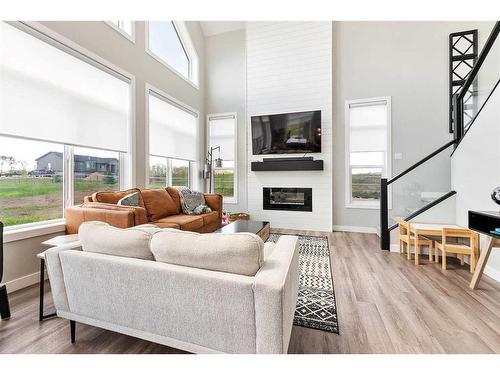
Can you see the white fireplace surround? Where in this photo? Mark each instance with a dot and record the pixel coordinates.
(291, 74)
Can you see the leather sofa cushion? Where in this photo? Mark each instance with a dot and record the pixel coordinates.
(114, 196)
(161, 224)
(99, 237)
(174, 193)
(239, 253)
(210, 218)
(185, 222)
(159, 203)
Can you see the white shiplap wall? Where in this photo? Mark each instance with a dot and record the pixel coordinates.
(289, 69)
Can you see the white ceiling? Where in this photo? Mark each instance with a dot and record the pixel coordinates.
(218, 27)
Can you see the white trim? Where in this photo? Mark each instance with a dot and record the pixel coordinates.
(42, 228)
(347, 228)
(129, 37)
(150, 88)
(234, 116)
(189, 49)
(24, 282)
(387, 171)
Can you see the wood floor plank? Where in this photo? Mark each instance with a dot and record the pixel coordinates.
(385, 304)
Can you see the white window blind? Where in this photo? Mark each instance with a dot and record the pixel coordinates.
(173, 129)
(49, 94)
(222, 133)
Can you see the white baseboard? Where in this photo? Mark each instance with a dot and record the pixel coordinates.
(344, 228)
(493, 273)
(23, 282)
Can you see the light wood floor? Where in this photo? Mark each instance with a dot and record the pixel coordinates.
(385, 304)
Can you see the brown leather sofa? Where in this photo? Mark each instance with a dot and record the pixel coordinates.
(161, 207)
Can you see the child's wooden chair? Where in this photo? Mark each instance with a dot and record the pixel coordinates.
(450, 243)
(406, 238)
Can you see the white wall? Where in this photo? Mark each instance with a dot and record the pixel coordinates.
(289, 69)
(409, 62)
(21, 264)
(475, 170)
(226, 92)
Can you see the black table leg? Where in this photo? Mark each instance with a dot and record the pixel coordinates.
(4, 303)
(41, 315)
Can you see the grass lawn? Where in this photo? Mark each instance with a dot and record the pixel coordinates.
(31, 199)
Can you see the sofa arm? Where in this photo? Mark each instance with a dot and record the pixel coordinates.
(76, 215)
(214, 201)
(276, 289)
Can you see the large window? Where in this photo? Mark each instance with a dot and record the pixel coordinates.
(58, 109)
(173, 140)
(222, 138)
(169, 43)
(367, 150)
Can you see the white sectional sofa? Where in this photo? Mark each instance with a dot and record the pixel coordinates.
(170, 298)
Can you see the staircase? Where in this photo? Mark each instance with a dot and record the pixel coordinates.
(477, 88)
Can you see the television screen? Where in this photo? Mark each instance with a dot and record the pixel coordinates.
(288, 133)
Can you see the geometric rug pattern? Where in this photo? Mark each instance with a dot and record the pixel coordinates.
(316, 302)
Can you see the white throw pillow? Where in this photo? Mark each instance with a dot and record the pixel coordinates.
(99, 237)
(240, 253)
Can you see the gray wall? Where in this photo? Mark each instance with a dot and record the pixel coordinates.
(409, 62)
(104, 41)
(226, 92)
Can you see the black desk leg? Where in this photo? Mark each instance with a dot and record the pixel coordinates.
(41, 315)
(4, 303)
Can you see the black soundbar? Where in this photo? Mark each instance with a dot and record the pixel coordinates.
(287, 164)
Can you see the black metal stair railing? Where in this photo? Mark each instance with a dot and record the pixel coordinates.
(460, 129)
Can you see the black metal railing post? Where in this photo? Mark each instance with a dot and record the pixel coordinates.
(384, 216)
(458, 119)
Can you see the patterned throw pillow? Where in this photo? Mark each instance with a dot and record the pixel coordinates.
(192, 202)
(129, 200)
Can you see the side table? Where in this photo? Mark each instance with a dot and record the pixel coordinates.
(65, 240)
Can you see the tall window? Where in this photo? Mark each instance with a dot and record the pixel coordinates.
(222, 133)
(169, 43)
(56, 110)
(126, 28)
(367, 150)
(173, 140)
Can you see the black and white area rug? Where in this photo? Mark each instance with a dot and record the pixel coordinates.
(316, 303)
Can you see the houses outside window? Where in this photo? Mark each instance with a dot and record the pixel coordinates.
(169, 43)
(368, 140)
(50, 156)
(222, 133)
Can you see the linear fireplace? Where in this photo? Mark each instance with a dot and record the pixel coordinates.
(287, 199)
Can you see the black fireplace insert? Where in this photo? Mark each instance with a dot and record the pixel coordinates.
(287, 199)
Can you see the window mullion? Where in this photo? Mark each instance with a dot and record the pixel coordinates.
(68, 186)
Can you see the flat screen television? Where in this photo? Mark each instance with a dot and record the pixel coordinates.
(287, 133)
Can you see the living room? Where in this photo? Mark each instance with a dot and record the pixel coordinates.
(289, 184)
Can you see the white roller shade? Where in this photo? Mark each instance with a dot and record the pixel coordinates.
(368, 126)
(51, 95)
(172, 129)
(222, 133)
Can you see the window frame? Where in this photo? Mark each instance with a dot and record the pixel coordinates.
(117, 28)
(386, 167)
(187, 45)
(234, 198)
(183, 106)
(127, 160)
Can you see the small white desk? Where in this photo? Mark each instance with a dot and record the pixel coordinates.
(67, 240)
